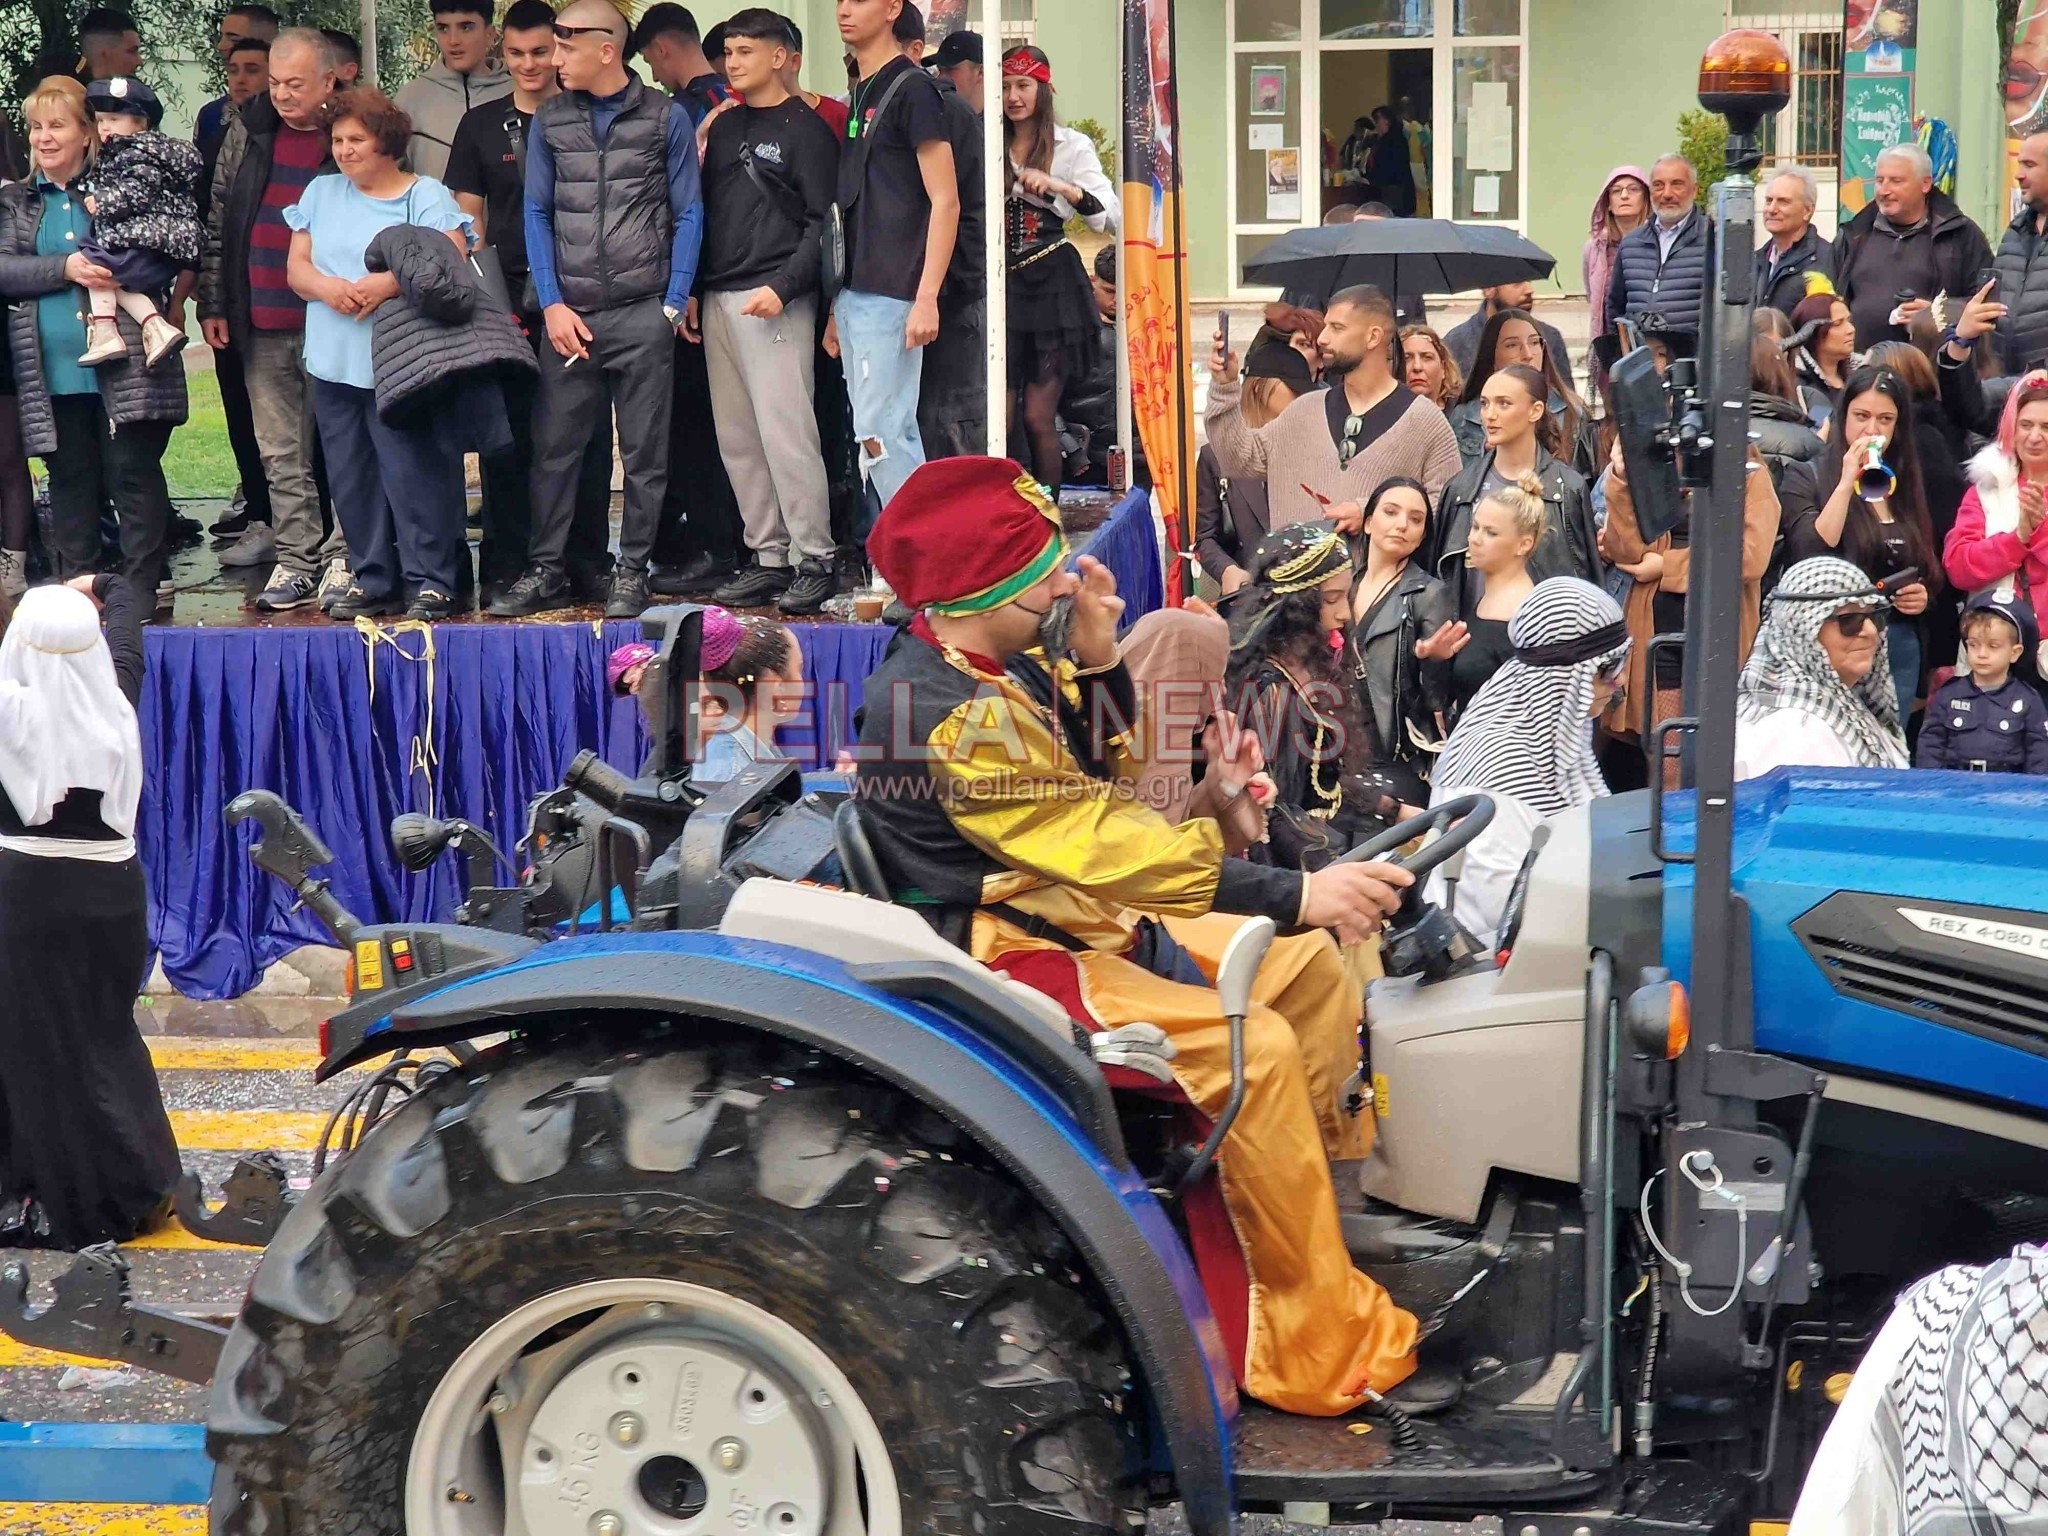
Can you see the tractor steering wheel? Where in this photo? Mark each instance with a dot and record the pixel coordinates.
(1466, 816)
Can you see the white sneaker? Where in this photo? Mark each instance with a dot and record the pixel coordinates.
(335, 582)
(256, 546)
(13, 573)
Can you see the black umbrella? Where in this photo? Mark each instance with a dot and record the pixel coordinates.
(1399, 256)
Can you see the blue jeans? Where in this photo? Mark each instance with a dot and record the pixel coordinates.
(1903, 641)
(882, 379)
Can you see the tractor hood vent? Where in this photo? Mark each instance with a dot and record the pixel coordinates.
(1983, 970)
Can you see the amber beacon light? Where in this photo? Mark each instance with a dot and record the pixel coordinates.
(1745, 75)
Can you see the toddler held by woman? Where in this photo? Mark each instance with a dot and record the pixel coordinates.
(140, 193)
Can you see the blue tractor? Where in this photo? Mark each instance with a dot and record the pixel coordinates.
(736, 1200)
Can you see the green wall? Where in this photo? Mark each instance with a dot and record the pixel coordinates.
(1607, 80)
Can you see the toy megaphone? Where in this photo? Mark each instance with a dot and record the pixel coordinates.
(1875, 481)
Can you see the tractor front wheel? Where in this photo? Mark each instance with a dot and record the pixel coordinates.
(580, 1293)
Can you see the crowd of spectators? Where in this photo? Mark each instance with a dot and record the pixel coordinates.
(764, 305)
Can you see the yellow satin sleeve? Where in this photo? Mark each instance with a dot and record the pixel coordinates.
(1019, 796)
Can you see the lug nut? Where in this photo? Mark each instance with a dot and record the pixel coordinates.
(605, 1523)
(627, 1429)
(654, 1309)
(728, 1455)
(500, 1403)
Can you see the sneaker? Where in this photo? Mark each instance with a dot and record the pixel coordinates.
(166, 601)
(104, 346)
(755, 586)
(231, 523)
(286, 590)
(629, 595)
(695, 577)
(13, 573)
(183, 532)
(535, 592)
(353, 603)
(334, 581)
(256, 546)
(160, 339)
(813, 583)
(430, 604)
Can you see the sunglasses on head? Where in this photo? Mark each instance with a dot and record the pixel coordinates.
(564, 34)
(1850, 625)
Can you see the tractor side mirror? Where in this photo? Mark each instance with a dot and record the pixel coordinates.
(1242, 958)
(418, 840)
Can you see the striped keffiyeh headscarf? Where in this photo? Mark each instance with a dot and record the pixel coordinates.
(1787, 669)
(1528, 732)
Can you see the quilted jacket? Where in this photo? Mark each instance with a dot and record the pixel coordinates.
(442, 333)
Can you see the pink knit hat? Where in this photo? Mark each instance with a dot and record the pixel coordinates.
(635, 653)
(722, 636)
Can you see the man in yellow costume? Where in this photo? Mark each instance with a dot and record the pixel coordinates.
(995, 782)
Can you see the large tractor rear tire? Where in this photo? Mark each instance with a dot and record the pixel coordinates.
(595, 1293)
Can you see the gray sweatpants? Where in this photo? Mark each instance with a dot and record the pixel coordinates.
(762, 391)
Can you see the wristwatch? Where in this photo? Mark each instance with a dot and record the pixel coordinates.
(675, 316)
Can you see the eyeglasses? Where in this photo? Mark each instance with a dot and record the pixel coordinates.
(1850, 625)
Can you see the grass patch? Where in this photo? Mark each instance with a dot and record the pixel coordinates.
(199, 461)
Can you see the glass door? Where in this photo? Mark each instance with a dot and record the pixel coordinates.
(1326, 95)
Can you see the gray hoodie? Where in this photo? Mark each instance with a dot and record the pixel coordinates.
(436, 101)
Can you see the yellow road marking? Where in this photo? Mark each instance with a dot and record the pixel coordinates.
(18, 1357)
(246, 1130)
(103, 1519)
(181, 1054)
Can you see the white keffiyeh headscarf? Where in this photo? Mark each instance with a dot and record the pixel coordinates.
(1528, 732)
(64, 722)
(1788, 669)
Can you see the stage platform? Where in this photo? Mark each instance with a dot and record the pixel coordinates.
(355, 724)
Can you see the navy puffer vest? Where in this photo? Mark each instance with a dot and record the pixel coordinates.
(613, 224)
(1670, 287)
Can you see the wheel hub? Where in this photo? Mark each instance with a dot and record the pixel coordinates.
(654, 1432)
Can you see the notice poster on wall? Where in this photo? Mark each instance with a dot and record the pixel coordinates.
(1880, 40)
(1269, 91)
(1283, 186)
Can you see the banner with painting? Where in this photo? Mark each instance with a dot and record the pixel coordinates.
(1880, 40)
(1156, 319)
(2024, 86)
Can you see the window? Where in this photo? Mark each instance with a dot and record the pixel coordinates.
(1020, 22)
(1809, 130)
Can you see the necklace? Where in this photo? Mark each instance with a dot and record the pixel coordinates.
(1331, 796)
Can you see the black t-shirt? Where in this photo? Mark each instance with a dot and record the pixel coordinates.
(881, 189)
(755, 234)
(483, 162)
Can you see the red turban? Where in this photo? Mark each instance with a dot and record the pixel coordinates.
(967, 535)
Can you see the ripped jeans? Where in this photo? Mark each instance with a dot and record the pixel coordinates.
(882, 379)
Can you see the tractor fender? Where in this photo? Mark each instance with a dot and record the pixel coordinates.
(1103, 1206)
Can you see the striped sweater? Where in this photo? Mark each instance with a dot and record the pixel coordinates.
(1297, 449)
